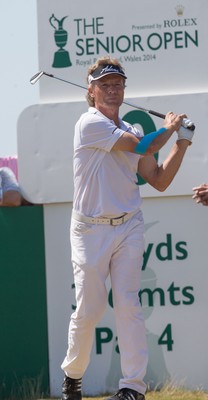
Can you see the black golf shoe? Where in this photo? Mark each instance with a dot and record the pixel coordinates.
(71, 389)
(127, 394)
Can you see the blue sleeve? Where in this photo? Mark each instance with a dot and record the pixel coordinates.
(144, 143)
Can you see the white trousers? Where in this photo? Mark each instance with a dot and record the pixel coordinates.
(97, 251)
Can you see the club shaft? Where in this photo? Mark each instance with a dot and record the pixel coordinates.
(124, 102)
(66, 81)
(157, 114)
(37, 76)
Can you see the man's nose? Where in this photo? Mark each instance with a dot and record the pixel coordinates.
(111, 89)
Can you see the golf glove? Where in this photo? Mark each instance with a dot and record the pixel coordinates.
(184, 133)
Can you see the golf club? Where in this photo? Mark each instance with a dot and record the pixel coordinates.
(35, 78)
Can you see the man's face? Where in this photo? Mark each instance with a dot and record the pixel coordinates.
(108, 91)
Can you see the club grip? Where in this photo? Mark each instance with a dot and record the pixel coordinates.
(157, 114)
(191, 127)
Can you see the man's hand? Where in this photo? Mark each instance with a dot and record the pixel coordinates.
(184, 133)
(201, 194)
(173, 121)
(187, 123)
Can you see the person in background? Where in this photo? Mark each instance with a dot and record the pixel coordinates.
(10, 195)
(107, 227)
(201, 194)
(10, 162)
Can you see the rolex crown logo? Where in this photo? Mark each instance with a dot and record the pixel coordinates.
(179, 10)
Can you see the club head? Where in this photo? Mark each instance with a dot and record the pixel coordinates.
(36, 77)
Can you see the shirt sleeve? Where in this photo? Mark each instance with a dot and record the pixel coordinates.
(8, 180)
(98, 132)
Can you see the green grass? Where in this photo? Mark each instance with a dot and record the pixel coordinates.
(168, 393)
(31, 391)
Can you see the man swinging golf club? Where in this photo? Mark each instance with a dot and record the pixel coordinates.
(107, 225)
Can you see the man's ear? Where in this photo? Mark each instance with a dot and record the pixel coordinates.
(90, 93)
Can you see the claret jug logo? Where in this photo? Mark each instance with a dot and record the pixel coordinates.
(61, 56)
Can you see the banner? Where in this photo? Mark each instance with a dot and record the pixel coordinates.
(162, 45)
(23, 309)
(174, 298)
(45, 146)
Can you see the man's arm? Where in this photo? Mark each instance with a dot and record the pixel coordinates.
(161, 176)
(152, 142)
(11, 198)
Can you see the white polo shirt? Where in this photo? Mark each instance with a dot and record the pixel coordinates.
(105, 181)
